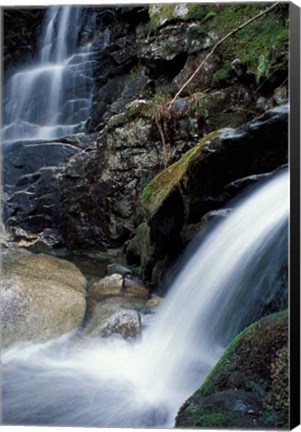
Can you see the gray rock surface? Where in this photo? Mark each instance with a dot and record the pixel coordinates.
(114, 316)
(42, 297)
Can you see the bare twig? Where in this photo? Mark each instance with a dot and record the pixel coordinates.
(162, 139)
(231, 33)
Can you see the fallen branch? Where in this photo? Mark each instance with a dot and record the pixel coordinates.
(231, 33)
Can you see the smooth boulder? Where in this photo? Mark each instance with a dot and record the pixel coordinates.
(43, 297)
(108, 286)
(114, 316)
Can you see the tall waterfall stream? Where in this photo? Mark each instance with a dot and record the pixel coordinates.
(52, 97)
(111, 382)
(114, 383)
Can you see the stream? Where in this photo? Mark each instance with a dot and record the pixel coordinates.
(223, 284)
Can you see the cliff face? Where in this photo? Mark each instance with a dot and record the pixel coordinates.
(20, 35)
(91, 194)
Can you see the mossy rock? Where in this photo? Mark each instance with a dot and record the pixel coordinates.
(268, 36)
(196, 184)
(138, 249)
(249, 385)
(167, 180)
(162, 14)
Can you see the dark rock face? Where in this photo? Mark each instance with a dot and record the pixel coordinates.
(118, 78)
(21, 27)
(249, 385)
(31, 172)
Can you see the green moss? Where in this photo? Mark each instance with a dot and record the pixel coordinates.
(136, 72)
(139, 247)
(221, 74)
(213, 419)
(254, 369)
(267, 35)
(161, 186)
(159, 13)
(277, 401)
(198, 12)
(230, 371)
(229, 119)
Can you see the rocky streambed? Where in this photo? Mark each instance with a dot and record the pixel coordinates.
(44, 297)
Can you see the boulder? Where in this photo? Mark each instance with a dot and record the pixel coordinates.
(118, 268)
(108, 286)
(154, 302)
(43, 297)
(49, 241)
(114, 316)
(248, 387)
(133, 287)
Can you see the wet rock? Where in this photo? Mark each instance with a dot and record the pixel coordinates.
(191, 230)
(19, 39)
(108, 286)
(49, 241)
(23, 158)
(31, 178)
(197, 184)
(154, 302)
(280, 95)
(134, 287)
(119, 269)
(114, 316)
(43, 297)
(248, 387)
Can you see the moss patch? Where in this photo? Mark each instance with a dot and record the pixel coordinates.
(256, 339)
(267, 36)
(161, 186)
(138, 250)
(258, 46)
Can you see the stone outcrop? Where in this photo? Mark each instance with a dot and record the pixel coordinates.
(31, 174)
(108, 286)
(248, 387)
(42, 297)
(20, 35)
(205, 179)
(113, 316)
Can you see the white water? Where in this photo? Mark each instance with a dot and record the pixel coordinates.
(109, 382)
(52, 97)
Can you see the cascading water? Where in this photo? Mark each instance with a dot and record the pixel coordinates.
(110, 382)
(52, 97)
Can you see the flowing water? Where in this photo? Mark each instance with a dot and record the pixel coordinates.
(222, 286)
(52, 97)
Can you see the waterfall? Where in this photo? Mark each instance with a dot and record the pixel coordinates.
(221, 287)
(52, 97)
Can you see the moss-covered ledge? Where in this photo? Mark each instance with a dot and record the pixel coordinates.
(248, 387)
(172, 177)
(206, 178)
